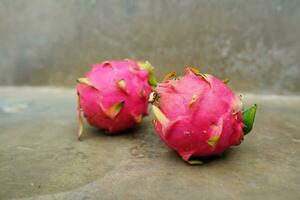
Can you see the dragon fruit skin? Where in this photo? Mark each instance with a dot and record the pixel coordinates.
(114, 94)
(197, 115)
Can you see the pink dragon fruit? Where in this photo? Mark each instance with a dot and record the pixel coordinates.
(114, 94)
(198, 115)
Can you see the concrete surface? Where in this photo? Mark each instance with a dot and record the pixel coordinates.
(53, 42)
(40, 157)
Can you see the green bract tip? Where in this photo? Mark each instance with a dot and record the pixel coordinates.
(147, 66)
(248, 119)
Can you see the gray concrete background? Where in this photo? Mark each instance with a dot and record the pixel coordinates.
(52, 42)
(41, 158)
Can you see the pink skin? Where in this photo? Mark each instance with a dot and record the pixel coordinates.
(215, 112)
(105, 92)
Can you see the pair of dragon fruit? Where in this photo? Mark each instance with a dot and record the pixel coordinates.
(197, 114)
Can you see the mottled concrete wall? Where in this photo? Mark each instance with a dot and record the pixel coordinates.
(52, 42)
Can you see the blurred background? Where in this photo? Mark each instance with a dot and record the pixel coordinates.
(256, 44)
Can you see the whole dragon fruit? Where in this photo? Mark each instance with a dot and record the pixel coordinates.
(198, 115)
(114, 94)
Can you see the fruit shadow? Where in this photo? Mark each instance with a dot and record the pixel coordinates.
(93, 133)
(205, 161)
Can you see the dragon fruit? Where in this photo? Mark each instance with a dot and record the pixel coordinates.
(197, 115)
(114, 94)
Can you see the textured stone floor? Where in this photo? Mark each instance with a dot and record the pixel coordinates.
(40, 157)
